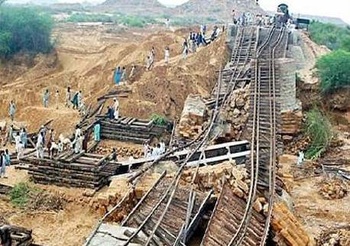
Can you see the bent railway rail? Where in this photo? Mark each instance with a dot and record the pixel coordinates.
(168, 213)
(246, 225)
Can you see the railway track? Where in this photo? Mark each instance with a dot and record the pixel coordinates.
(165, 214)
(246, 224)
(154, 216)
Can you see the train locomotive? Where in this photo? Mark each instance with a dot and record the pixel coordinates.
(282, 16)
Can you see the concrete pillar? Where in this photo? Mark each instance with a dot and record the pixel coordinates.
(287, 80)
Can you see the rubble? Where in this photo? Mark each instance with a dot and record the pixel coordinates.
(192, 118)
(288, 230)
(335, 237)
(332, 189)
(237, 112)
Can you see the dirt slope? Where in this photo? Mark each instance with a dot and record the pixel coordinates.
(85, 60)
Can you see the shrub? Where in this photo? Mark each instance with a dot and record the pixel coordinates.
(19, 195)
(24, 29)
(319, 129)
(159, 120)
(334, 37)
(82, 17)
(333, 70)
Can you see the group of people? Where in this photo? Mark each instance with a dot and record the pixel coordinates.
(247, 18)
(155, 151)
(196, 39)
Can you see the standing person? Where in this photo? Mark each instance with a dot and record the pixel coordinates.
(123, 76)
(75, 101)
(68, 97)
(19, 146)
(132, 72)
(194, 45)
(114, 155)
(7, 157)
(80, 99)
(46, 97)
(12, 110)
(162, 147)
(78, 144)
(97, 132)
(2, 165)
(50, 140)
(57, 97)
(40, 146)
(110, 113)
(116, 108)
(185, 49)
(167, 55)
(10, 134)
(146, 148)
(153, 53)
(24, 137)
(77, 132)
(117, 75)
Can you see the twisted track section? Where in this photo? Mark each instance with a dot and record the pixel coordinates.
(233, 215)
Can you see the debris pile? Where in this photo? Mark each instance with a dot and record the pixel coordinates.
(192, 118)
(288, 230)
(237, 112)
(337, 237)
(121, 151)
(332, 189)
(109, 197)
(297, 145)
(46, 201)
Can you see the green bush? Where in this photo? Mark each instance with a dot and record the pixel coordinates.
(24, 29)
(19, 195)
(334, 71)
(82, 17)
(334, 37)
(319, 129)
(159, 120)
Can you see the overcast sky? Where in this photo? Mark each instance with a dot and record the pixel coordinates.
(335, 8)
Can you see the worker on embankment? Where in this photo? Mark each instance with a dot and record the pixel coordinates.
(117, 75)
(97, 132)
(68, 97)
(46, 97)
(2, 165)
(116, 108)
(12, 110)
(166, 55)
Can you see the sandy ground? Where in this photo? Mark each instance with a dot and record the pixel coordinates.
(85, 60)
(66, 227)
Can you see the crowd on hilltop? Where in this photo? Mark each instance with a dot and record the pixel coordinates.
(247, 19)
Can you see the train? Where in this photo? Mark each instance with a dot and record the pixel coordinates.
(282, 15)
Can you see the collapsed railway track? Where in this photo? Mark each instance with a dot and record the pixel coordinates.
(246, 224)
(165, 214)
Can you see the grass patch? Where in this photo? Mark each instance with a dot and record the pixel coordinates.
(319, 129)
(20, 194)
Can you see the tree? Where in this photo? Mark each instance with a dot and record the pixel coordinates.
(334, 71)
(24, 29)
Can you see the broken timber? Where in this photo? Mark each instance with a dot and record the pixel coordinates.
(81, 170)
(130, 129)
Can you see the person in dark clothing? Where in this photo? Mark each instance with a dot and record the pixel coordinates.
(114, 156)
(110, 113)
